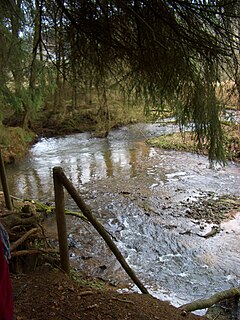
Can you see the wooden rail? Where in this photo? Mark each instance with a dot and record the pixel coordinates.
(61, 180)
(3, 175)
(61, 221)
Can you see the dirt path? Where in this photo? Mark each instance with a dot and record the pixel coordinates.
(49, 294)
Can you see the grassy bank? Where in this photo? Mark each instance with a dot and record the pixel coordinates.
(14, 142)
(186, 142)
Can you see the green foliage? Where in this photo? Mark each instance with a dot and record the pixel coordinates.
(87, 282)
(9, 99)
(10, 136)
(185, 141)
(176, 141)
(232, 142)
(15, 142)
(165, 55)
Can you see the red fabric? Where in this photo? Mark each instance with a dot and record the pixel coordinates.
(6, 302)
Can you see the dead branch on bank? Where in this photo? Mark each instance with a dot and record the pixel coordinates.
(206, 303)
(23, 238)
(33, 251)
(26, 234)
(17, 219)
(28, 243)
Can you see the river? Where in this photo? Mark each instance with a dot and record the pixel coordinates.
(138, 193)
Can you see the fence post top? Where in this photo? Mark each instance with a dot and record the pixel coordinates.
(57, 169)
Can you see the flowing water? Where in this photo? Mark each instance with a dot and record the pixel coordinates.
(138, 193)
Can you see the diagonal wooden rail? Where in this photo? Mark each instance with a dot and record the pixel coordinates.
(60, 181)
(5, 183)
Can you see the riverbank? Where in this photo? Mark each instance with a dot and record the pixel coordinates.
(141, 197)
(45, 292)
(15, 141)
(184, 141)
(50, 294)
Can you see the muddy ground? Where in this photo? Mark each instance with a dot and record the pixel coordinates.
(50, 294)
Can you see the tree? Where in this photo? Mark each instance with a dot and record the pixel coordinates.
(166, 52)
(233, 70)
(34, 92)
(21, 50)
(10, 56)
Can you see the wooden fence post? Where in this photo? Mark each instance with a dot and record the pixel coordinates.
(61, 220)
(99, 227)
(5, 183)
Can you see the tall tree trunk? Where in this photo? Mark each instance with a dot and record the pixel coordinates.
(16, 65)
(29, 107)
(60, 66)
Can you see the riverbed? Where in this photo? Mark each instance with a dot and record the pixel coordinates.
(141, 195)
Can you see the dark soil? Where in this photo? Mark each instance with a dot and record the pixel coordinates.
(50, 294)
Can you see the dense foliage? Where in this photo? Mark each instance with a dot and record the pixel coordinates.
(167, 54)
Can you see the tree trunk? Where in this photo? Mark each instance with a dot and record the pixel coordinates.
(206, 303)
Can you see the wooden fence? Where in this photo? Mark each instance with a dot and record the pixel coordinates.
(60, 181)
(3, 175)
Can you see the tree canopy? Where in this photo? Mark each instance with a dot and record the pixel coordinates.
(164, 52)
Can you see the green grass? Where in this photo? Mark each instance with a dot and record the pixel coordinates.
(176, 141)
(96, 284)
(186, 142)
(15, 142)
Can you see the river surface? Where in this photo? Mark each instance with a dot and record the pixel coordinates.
(140, 194)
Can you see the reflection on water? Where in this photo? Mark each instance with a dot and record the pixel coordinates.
(82, 158)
